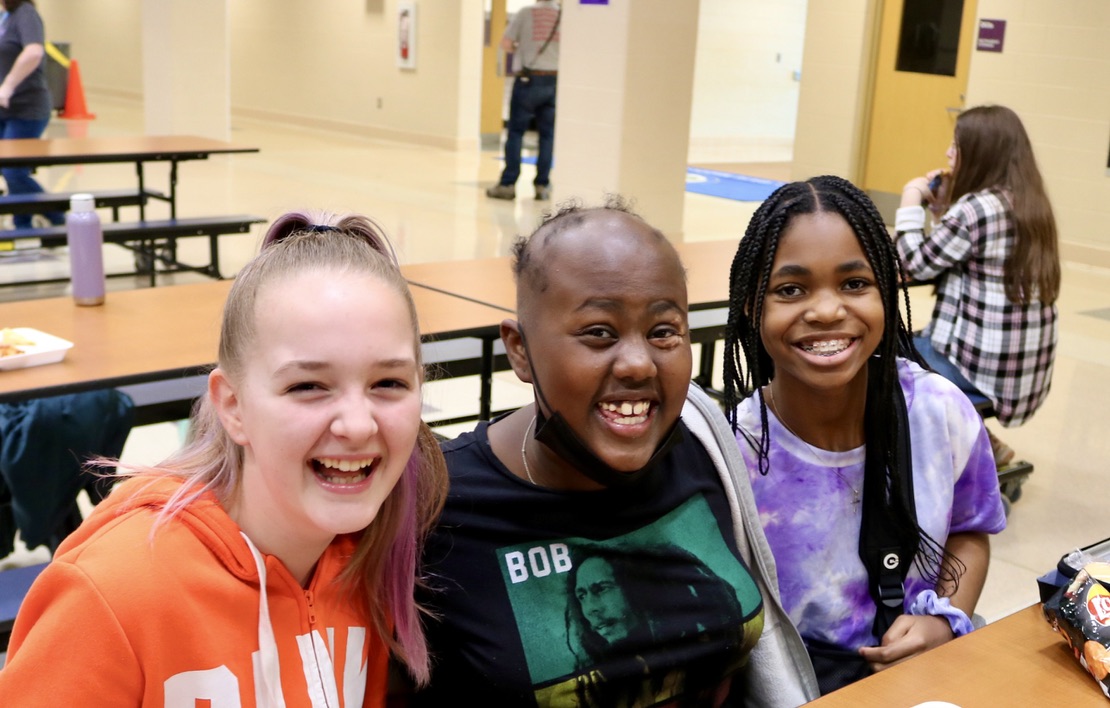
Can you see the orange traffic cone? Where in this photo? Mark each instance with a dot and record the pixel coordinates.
(75, 96)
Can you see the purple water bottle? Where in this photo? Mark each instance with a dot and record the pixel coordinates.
(86, 250)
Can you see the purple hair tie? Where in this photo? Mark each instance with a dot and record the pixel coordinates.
(321, 228)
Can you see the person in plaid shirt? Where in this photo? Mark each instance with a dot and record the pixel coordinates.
(995, 258)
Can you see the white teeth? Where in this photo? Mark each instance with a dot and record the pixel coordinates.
(631, 412)
(827, 347)
(363, 468)
(345, 465)
(628, 408)
(344, 480)
(631, 421)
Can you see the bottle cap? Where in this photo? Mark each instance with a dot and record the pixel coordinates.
(82, 202)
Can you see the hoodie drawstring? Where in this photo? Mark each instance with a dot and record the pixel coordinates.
(267, 670)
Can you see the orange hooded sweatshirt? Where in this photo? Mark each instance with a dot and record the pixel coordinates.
(121, 618)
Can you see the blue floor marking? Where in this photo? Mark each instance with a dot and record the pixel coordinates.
(714, 183)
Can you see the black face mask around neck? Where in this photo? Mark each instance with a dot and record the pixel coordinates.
(560, 438)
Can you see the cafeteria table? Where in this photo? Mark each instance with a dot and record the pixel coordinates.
(139, 149)
(490, 281)
(1017, 660)
(171, 334)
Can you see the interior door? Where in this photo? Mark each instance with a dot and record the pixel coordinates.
(920, 82)
(493, 76)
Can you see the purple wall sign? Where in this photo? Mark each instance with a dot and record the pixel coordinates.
(991, 35)
(593, 2)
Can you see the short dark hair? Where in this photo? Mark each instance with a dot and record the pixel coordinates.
(528, 267)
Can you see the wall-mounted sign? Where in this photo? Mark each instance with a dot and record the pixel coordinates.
(991, 35)
(593, 2)
(406, 34)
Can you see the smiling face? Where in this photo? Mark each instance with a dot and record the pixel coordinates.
(608, 336)
(823, 314)
(327, 408)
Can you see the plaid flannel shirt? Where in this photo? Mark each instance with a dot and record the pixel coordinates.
(1005, 349)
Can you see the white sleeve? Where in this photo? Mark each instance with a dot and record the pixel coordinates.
(911, 218)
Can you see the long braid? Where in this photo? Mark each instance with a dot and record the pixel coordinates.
(749, 278)
(905, 338)
(883, 257)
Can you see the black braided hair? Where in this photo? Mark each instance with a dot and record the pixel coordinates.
(748, 367)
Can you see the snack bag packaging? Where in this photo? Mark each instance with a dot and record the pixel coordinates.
(1080, 612)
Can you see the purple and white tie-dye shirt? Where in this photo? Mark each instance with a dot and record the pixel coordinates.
(806, 504)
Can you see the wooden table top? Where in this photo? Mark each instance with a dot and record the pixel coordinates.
(158, 333)
(490, 280)
(485, 280)
(1018, 660)
(707, 271)
(169, 332)
(124, 148)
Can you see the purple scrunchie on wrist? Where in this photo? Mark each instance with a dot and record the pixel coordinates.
(927, 603)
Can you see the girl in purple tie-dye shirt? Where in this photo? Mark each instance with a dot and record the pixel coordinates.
(816, 351)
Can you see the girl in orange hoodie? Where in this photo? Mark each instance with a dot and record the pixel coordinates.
(270, 561)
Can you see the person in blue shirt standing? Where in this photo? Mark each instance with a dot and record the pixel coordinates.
(24, 97)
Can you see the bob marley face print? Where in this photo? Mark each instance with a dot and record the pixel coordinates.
(603, 603)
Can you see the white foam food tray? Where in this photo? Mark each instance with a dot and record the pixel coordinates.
(43, 348)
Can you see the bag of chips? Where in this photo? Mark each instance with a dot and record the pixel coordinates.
(1080, 612)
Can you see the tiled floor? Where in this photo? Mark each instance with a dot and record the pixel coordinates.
(431, 203)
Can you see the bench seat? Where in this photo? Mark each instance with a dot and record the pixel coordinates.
(172, 399)
(151, 240)
(113, 199)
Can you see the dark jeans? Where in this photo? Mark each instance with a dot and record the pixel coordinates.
(19, 179)
(534, 98)
(944, 366)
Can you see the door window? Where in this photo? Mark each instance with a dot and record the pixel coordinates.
(929, 40)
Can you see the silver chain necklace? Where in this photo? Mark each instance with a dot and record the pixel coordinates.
(815, 450)
(523, 456)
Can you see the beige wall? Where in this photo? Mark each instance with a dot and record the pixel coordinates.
(832, 108)
(333, 65)
(624, 106)
(186, 68)
(104, 38)
(745, 91)
(291, 61)
(329, 65)
(1054, 70)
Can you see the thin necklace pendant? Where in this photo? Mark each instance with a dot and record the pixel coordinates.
(855, 494)
(523, 455)
(817, 452)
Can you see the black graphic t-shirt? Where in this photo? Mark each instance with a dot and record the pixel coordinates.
(620, 597)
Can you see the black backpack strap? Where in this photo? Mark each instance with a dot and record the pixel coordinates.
(886, 547)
